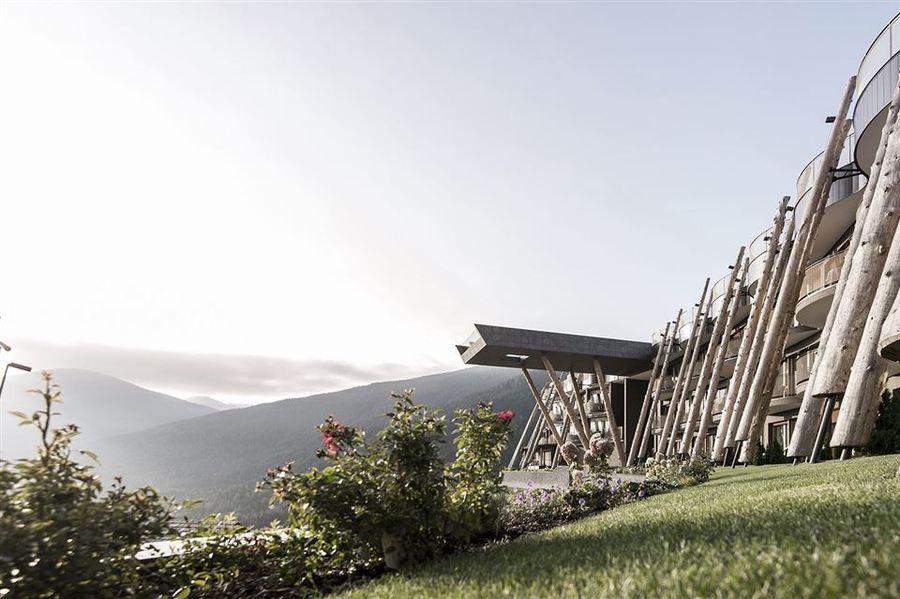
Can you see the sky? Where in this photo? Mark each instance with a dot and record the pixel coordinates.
(255, 201)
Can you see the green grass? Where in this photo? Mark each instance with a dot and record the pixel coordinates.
(828, 530)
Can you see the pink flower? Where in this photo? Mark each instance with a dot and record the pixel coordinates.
(505, 415)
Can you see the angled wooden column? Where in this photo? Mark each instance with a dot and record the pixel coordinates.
(563, 398)
(681, 408)
(608, 407)
(741, 363)
(645, 406)
(517, 453)
(654, 403)
(545, 410)
(734, 300)
(811, 408)
(759, 339)
(709, 359)
(837, 355)
(674, 404)
(533, 443)
(862, 397)
(579, 401)
(558, 452)
(782, 315)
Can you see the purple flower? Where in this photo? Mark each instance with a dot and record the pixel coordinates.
(582, 502)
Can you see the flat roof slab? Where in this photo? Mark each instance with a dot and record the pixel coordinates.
(513, 348)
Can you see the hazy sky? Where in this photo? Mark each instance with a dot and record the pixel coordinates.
(254, 201)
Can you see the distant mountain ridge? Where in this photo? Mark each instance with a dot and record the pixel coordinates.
(219, 457)
(101, 405)
(215, 404)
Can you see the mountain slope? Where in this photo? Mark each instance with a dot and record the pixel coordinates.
(219, 457)
(100, 405)
(215, 404)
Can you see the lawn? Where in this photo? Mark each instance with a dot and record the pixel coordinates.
(828, 530)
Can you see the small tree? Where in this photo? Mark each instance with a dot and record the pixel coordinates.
(60, 533)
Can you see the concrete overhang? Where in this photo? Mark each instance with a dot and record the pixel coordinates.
(513, 348)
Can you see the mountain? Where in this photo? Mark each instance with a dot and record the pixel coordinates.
(218, 458)
(101, 405)
(215, 404)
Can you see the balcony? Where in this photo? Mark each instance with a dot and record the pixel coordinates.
(875, 82)
(818, 290)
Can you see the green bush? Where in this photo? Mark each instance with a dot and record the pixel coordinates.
(886, 434)
(61, 533)
(676, 472)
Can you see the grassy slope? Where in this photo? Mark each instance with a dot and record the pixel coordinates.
(829, 530)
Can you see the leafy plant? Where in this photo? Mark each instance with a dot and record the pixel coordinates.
(676, 472)
(61, 533)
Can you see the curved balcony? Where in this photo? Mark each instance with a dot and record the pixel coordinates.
(875, 83)
(818, 290)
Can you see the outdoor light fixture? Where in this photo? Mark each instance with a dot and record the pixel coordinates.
(5, 347)
(830, 119)
(3, 381)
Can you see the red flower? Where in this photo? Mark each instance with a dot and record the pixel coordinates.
(505, 415)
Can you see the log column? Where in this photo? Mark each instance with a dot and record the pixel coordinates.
(645, 406)
(608, 407)
(570, 411)
(674, 404)
(811, 409)
(648, 429)
(741, 364)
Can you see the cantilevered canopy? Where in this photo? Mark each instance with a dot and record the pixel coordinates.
(504, 346)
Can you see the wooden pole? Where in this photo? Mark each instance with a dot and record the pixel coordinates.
(759, 337)
(645, 406)
(783, 313)
(672, 443)
(545, 411)
(734, 300)
(558, 452)
(836, 357)
(517, 453)
(563, 398)
(863, 394)
(709, 359)
(889, 344)
(648, 429)
(608, 407)
(823, 430)
(680, 381)
(579, 400)
(811, 408)
(741, 363)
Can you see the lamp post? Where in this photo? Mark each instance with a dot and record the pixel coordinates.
(3, 380)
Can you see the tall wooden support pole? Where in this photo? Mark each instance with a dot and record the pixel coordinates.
(674, 404)
(563, 398)
(578, 397)
(742, 361)
(734, 300)
(837, 355)
(648, 429)
(645, 406)
(565, 432)
(672, 443)
(811, 408)
(783, 313)
(783, 317)
(545, 410)
(517, 453)
(710, 358)
(759, 338)
(823, 430)
(533, 443)
(608, 408)
(862, 397)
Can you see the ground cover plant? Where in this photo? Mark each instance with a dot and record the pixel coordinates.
(823, 530)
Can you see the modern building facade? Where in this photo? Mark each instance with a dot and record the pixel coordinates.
(578, 362)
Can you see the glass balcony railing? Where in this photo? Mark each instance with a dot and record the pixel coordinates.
(823, 273)
(877, 75)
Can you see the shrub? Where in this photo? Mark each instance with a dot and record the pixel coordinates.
(476, 493)
(60, 532)
(676, 472)
(886, 434)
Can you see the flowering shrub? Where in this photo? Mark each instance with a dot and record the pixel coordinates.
(677, 472)
(476, 493)
(596, 458)
(530, 510)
